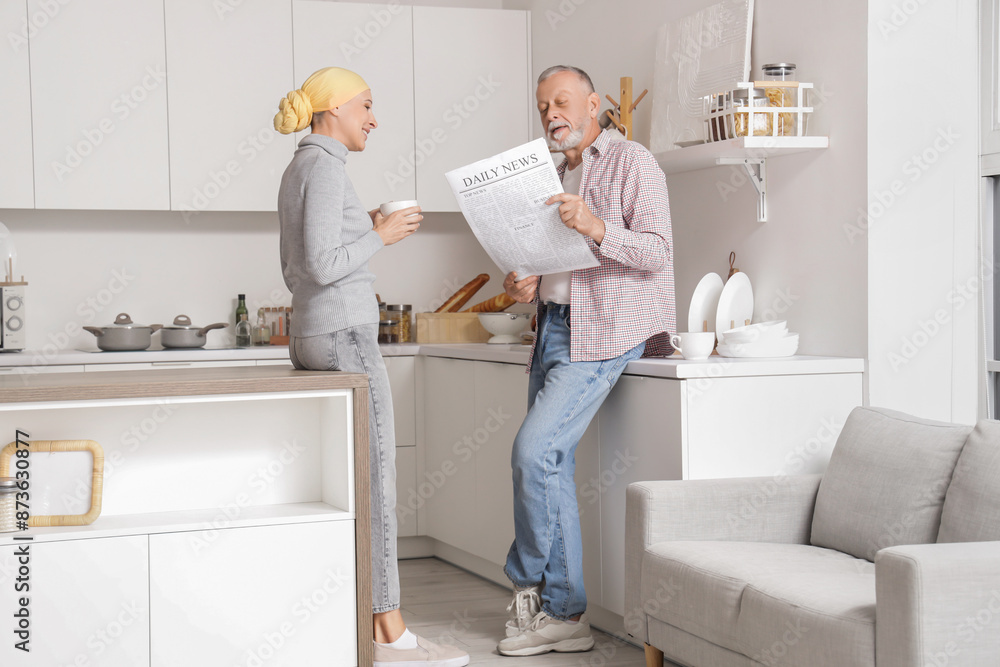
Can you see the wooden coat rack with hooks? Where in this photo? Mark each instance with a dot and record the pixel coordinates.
(621, 114)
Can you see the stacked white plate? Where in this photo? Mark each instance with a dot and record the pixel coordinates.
(764, 339)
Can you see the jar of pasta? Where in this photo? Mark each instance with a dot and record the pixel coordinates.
(746, 97)
(403, 314)
(781, 94)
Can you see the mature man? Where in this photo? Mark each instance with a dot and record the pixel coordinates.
(591, 323)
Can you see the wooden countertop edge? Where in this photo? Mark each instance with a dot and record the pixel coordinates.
(170, 383)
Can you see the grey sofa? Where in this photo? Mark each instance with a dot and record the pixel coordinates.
(890, 558)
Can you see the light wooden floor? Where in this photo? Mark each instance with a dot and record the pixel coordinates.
(451, 606)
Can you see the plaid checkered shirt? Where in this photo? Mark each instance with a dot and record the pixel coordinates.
(629, 297)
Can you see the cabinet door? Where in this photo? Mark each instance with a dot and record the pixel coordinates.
(89, 603)
(229, 64)
(274, 595)
(99, 105)
(448, 485)
(989, 71)
(640, 426)
(376, 41)
(469, 107)
(402, 378)
(16, 181)
(501, 403)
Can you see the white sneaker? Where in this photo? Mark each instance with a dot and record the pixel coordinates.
(525, 606)
(426, 654)
(545, 634)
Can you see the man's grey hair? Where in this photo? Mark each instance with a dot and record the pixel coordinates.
(555, 69)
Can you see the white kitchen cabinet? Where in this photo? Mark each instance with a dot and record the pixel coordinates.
(89, 602)
(17, 188)
(989, 92)
(376, 41)
(501, 397)
(247, 595)
(640, 432)
(229, 64)
(99, 105)
(406, 491)
(448, 484)
(402, 384)
(473, 92)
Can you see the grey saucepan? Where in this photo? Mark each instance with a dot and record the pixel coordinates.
(124, 335)
(182, 334)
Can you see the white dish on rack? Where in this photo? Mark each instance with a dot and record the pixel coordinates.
(753, 333)
(735, 303)
(705, 303)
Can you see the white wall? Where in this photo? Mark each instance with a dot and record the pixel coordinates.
(922, 246)
(802, 265)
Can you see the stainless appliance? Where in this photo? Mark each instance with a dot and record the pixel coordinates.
(12, 331)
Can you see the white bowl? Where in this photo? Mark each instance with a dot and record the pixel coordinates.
(505, 327)
(753, 333)
(782, 347)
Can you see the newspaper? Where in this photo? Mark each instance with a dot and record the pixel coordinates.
(503, 199)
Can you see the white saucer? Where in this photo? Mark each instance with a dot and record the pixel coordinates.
(735, 303)
(705, 303)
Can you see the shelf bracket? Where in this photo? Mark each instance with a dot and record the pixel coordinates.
(757, 171)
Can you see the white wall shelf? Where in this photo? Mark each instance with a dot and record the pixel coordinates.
(751, 152)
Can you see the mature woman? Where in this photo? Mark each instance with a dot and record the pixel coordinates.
(327, 238)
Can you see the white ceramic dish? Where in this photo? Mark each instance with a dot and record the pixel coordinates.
(505, 327)
(761, 331)
(705, 303)
(783, 347)
(735, 303)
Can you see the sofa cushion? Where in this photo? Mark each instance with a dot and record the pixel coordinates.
(972, 505)
(886, 482)
(702, 588)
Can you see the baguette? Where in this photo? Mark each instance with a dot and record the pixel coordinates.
(496, 304)
(459, 298)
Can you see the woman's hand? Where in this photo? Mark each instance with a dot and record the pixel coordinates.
(522, 291)
(397, 225)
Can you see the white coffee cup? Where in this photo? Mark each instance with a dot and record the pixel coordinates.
(393, 206)
(694, 344)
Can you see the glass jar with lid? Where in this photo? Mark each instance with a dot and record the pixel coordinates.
(388, 332)
(781, 94)
(746, 97)
(8, 513)
(403, 314)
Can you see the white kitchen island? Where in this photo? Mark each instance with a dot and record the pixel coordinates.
(235, 522)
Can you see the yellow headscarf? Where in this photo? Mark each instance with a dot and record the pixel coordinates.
(325, 89)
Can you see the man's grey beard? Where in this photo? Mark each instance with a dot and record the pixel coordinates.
(572, 139)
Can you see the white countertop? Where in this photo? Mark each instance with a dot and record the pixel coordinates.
(671, 367)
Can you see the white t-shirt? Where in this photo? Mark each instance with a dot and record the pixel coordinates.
(555, 287)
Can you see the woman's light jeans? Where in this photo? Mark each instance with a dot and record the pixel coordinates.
(356, 350)
(563, 397)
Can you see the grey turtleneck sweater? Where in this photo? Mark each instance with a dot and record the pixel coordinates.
(326, 241)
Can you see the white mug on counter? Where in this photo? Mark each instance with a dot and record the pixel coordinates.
(393, 206)
(694, 344)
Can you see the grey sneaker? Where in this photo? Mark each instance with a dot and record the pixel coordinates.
(525, 606)
(427, 654)
(545, 634)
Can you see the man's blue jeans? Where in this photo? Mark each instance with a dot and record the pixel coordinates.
(563, 397)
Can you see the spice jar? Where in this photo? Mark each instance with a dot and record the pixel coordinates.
(403, 314)
(8, 514)
(743, 98)
(388, 331)
(781, 95)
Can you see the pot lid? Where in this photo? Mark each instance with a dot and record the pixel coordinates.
(181, 322)
(8, 484)
(123, 321)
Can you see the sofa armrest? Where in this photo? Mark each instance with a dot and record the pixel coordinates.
(751, 509)
(938, 604)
